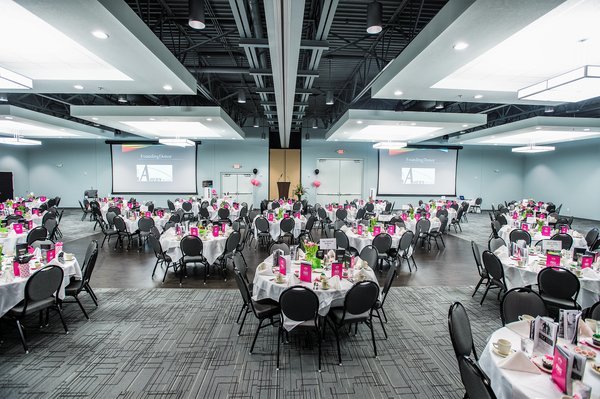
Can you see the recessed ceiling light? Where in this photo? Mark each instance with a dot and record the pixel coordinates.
(413, 124)
(538, 128)
(465, 125)
(152, 119)
(98, 34)
(8, 117)
(460, 46)
(478, 96)
(359, 122)
(168, 87)
(209, 119)
(587, 129)
(390, 145)
(398, 93)
(94, 118)
(532, 149)
(78, 87)
(335, 140)
(17, 140)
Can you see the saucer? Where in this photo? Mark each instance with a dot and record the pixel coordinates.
(501, 354)
(596, 368)
(538, 362)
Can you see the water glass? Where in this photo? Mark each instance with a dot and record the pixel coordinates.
(527, 346)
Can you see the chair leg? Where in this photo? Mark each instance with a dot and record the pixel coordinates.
(370, 324)
(384, 315)
(182, 271)
(256, 335)
(337, 340)
(382, 326)
(89, 290)
(62, 320)
(477, 286)
(82, 308)
(240, 314)
(22, 336)
(155, 265)
(318, 331)
(279, 337)
(243, 320)
(487, 288)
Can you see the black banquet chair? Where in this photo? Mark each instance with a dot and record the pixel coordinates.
(559, 288)
(459, 327)
(39, 295)
(518, 235)
(565, 239)
(192, 250)
(483, 276)
(300, 305)
(161, 256)
(76, 287)
(476, 382)
(520, 301)
(495, 271)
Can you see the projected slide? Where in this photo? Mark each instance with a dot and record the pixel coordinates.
(139, 168)
(413, 171)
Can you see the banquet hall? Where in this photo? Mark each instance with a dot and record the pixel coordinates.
(299, 198)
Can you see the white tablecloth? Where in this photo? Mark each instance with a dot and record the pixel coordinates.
(411, 224)
(13, 292)
(213, 247)
(523, 276)
(511, 384)
(11, 240)
(359, 242)
(275, 229)
(578, 239)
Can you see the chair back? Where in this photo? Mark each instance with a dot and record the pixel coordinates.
(493, 266)
(297, 206)
(502, 220)
(389, 279)
(204, 214)
(383, 242)
(287, 225)
(114, 209)
(243, 288)
(518, 235)
(520, 301)
(281, 246)
(322, 213)
(43, 284)
(369, 207)
(495, 243)
(441, 212)
(591, 236)
(341, 239)
(186, 206)
(370, 255)
(406, 240)
(145, 224)
(476, 383)
(223, 213)
(361, 298)
(154, 232)
(89, 266)
(243, 212)
(110, 217)
(341, 214)
(460, 330)
(120, 224)
(156, 246)
(423, 225)
(170, 205)
(310, 223)
(558, 282)
(565, 239)
(38, 233)
(299, 304)
(232, 241)
(262, 224)
(240, 265)
(91, 248)
(443, 224)
(360, 214)
(175, 218)
(477, 256)
(191, 246)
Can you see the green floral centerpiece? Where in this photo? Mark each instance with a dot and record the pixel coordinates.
(372, 223)
(280, 211)
(223, 203)
(299, 191)
(411, 212)
(311, 248)
(540, 224)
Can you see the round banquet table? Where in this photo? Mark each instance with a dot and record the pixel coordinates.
(359, 242)
(411, 224)
(132, 223)
(234, 214)
(521, 385)
(516, 276)
(350, 218)
(275, 229)
(578, 239)
(11, 240)
(265, 287)
(213, 247)
(13, 291)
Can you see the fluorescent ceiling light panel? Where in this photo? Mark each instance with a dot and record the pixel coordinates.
(390, 132)
(18, 141)
(173, 128)
(532, 149)
(177, 142)
(535, 53)
(390, 145)
(31, 129)
(40, 51)
(577, 85)
(538, 137)
(12, 80)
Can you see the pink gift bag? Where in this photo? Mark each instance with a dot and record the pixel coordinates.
(376, 231)
(524, 226)
(215, 231)
(586, 261)
(18, 213)
(417, 216)
(359, 229)
(223, 227)
(286, 215)
(391, 229)
(270, 217)
(50, 254)
(564, 229)
(29, 224)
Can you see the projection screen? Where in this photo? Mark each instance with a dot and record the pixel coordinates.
(416, 171)
(153, 168)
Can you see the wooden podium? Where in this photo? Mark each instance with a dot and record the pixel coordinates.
(284, 189)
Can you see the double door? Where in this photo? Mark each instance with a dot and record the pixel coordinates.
(341, 180)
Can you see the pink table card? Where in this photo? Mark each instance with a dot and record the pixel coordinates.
(16, 270)
(564, 229)
(515, 215)
(359, 229)
(50, 254)
(270, 217)
(336, 270)
(340, 207)
(1, 206)
(427, 216)
(352, 262)
(427, 207)
(546, 230)
(29, 224)
(223, 227)
(586, 261)
(194, 231)
(119, 205)
(297, 215)
(18, 213)
(18, 228)
(305, 272)
(282, 265)
(529, 215)
(215, 231)
(524, 226)
(286, 215)
(404, 217)
(215, 207)
(417, 216)
(560, 369)
(391, 229)
(35, 211)
(376, 231)
(148, 214)
(43, 199)
(30, 250)
(552, 260)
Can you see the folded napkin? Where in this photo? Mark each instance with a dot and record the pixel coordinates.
(358, 263)
(37, 253)
(344, 228)
(334, 282)
(518, 361)
(588, 272)
(585, 328)
(294, 280)
(502, 251)
(301, 254)
(361, 275)
(576, 234)
(331, 253)
(264, 269)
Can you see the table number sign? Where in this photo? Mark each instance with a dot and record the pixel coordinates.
(18, 228)
(282, 265)
(586, 261)
(336, 270)
(359, 229)
(530, 219)
(524, 227)
(552, 260)
(305, 272)
(215, 231)
(328, 243)
(50, 254)
(270, 217)
(564, 229)
(376, 231)
(551, 245)
(546, 230)
(391, 229)
(194, 231)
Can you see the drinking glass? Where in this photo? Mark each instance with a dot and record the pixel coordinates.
(527, 346)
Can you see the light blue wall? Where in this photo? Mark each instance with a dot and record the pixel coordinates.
(494, 174)
(86, 163)
(15, 160)
(568, 175)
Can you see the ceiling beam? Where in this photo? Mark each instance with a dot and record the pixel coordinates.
(304, 44)
(241, 70)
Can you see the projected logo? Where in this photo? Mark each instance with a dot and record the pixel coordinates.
(154, 173)
(418, 175)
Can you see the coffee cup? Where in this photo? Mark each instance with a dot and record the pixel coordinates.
(526, 317)
(502, 346)
(68, 256)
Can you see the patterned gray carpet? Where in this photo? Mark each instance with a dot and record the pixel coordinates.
(183, 343)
